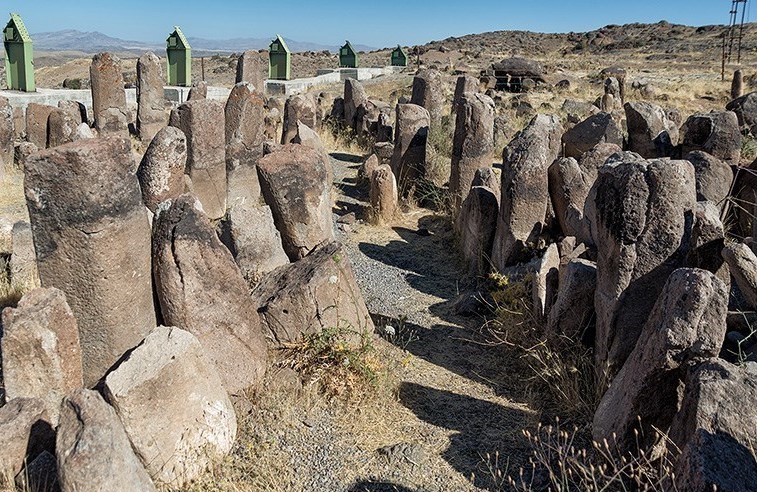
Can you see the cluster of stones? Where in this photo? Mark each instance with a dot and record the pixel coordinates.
(164, 281)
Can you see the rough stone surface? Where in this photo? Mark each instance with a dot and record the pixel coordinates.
(708, 240)
(23, 262)
(198, 91)
(6, 132)
(573, 310)
(645, 214)
(161, 172)
(715, 429)
(745, 108)
(383, 195)
(354, 98)
(174, 408)
(245, 134)
(301, 107)
(715, 133)
(545, 281)
(368, 166)
(473, 142)
(594, 130)
(40, 350)
(465, 83)
(252, 68)
(686, 325)
(36, 123)
(525, 194)
(202, 122)
(476, 225)
(409, 157)
(295, 184)
(317, 292)
(61, 128)
(21, 152)
(151, 103)
(254, 241)
(742, 263)
(92, 238)
(108, 95)
(93, 450)
(714, 177)
(309, 138)
(25, 431)
(201, 289)
(650, 133)
(428, 92)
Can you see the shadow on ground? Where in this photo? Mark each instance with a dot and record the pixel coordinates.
(371, 486)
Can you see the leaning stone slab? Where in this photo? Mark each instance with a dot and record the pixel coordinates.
(476, 225)
(92, 448)
(92, 238)
(173, 406)
(36, 123)
(245, 134)
(161, 171)
(716, 133)
(300, 107)
(25, 432)
(41, 354)
(472, 144)
(409, 155)
(742, 263)
(573, 310)
(596, 129)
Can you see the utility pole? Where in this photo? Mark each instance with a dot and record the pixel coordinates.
(734, 34)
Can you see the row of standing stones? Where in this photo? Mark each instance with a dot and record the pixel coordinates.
(223, 239)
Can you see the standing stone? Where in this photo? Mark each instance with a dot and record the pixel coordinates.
(201, 289)
(61, 128)
(472, 144)
(742, 263)
(737, 85)
(198, 91)
(6, 132)
(644, 218)
(383, 194)
(108, 95)
(173, 406)
(409, 157)
(203, 123)
(545, 280)
(716, 133)
(245, 134)
(25, 432)
(309, 138)
(92, 448)
(608, 103)
(573, 310)
(612, 87)
(369, 165)
(251, 68)
(650, 133)
(477, 224)
(300, 107)
(77, 110)
(151, 102)
(295, 183)
(745, 108)
(92, 239)
(21, 152)
(465, 83)
(354, 98)
(273, 124)
(254, 241)
(525, 190)
(597, 129)
(714, 177)
(36, 123)
(40, 350)
(715, 429)
(428, 92)
(687, 324)
(161, 172)
(23, 262)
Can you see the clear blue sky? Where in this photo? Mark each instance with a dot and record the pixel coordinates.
(376, 23)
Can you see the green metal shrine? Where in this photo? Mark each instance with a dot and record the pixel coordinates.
(280, 60)
(348, 56)
(399, 57)
(179, 59)
(19, 56)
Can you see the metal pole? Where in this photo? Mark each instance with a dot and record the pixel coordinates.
(722, 66)
(202, 64)
(741, 32)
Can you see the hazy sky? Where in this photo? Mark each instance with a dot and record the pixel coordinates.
(376, 23)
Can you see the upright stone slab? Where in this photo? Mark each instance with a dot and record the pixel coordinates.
(476, 224)
(161, 171)
(203, 123)
(36, 123)
(650, 133)
(151, 102)
(201, 289)
(92, 448)
(383, 195)
(644, 217)
(108, 95)
(296, 185)
(23, 262)
(40, 350)
(61, 128)
(245, 134)
(473, 142)
(714, 177)
(594, 130)
(251, 68)
(465, 83)
(92, 239)
(716, 133)
(742, 263)
(301, 107)
(737, 84)
(686, 325)
(409, 157)
(199, 90)
(25, 431)
(75, 109)
(6, 132)
(525, 190)
(573, 309)
(354, 98)
(428, 92)
(173, 406)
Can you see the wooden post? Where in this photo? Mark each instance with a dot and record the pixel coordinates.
(202, 64)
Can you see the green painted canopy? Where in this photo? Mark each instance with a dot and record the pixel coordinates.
(278, 45)
(181, 40)
(21, 35)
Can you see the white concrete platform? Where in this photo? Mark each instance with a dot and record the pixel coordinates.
(326, 76)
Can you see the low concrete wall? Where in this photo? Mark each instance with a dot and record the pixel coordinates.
(326, 76)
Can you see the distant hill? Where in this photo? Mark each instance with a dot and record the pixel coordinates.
(93, 42)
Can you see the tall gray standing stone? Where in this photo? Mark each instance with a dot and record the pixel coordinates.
(92, 238)
(716, 133)
(151, 102)
(477, 224)
(465, 83)
(650, 133)
(714, 177)
(295, 183)
(36, 123)
(6, 132)
(161, 171)
(409, 157)
(383, 195)
(108, 95)
(354, 98)
(252, 68)
(428, 92)
(644, 218)
(737, 85)
(41, 353)
(300, 107)
(203, 123)
(23, 261)
(525, 189)
(201, 289)
(245, 134)
(93, 450)
(573, 309)
(472, 144)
